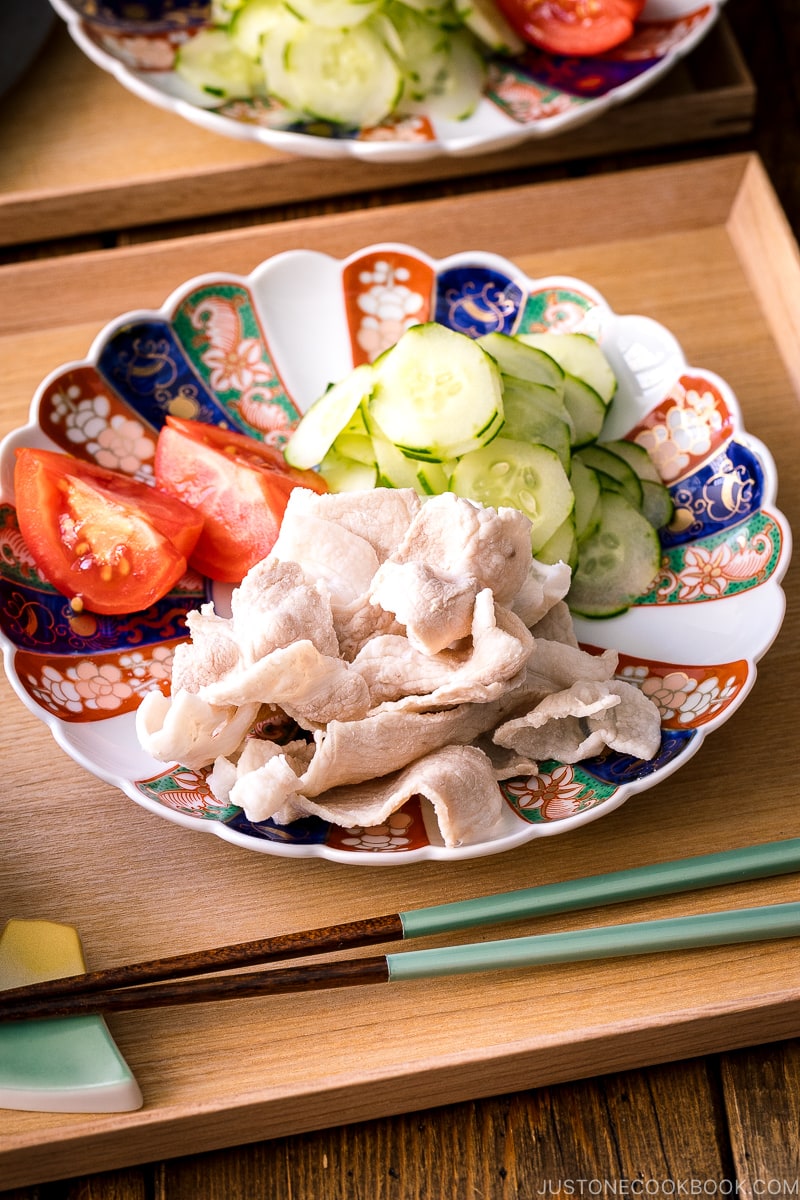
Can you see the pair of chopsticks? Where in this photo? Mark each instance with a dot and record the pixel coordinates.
(168, 981)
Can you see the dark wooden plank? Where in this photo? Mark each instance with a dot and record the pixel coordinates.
(111, 1185)
(665, 1124)
(762, 1099)
(769, 36)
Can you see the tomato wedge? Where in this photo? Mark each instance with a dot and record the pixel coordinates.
(239, 486)
(573, 27)
(111, 544)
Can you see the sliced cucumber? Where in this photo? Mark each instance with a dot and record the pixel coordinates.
(636, 457)
(657, 503)
(540, 396)
(617, 563)
(458, 90)
(529, 417)
(252, 21)
(614, 468)
(346, 475)
(515, 357)
(212, 62)
(355, 445)
(484, 19)
(440, 411)
(347, 76)
(223, 10)
(437, 394)
(586, 487)
(579, 355)
(394, 469)
(512, 474)
(586, 409)
(433, 478)
(318, 429)
(424, 50)
(435, 10)
(335, 14)
(561, 547)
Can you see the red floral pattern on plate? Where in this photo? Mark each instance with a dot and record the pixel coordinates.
(384, 294)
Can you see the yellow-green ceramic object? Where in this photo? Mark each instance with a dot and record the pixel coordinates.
(69, 1064)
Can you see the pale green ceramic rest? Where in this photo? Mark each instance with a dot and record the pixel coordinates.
(71, 1064)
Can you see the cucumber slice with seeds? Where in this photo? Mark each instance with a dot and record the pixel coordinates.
(511, 474)
(617, 563)
(437, 394)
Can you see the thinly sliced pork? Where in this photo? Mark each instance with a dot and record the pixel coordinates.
(458, 781)
(310, 687)
(434, 610)
(398, 674)
(420, 649)
(458, 537)
(584, 720)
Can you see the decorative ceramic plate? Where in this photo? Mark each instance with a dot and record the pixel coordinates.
(535, 95)
(254, 352)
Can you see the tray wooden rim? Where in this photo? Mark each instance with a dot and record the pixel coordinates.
(166, 185)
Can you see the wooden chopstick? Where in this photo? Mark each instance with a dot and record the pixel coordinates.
(657, 879)
(642, 937)
(674, 876)
(369, 931)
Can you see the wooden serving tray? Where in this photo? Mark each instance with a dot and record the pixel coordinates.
(701, 247)
(79, 153)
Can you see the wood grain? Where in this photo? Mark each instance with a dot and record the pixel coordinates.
(92, 287)
(232, 1078)
(762, 1097)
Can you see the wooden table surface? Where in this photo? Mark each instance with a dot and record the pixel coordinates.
(724, 1124)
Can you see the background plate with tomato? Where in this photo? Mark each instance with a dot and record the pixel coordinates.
(536, 95)
(232, 361)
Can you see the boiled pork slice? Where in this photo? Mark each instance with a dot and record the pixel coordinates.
(458, 781)
(401, 676)
(459, 537)
(583, 721)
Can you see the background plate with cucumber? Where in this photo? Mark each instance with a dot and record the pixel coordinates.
(642, 439)
(406, 80)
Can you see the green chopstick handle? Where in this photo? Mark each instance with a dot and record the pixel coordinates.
(657, 879)
(642, 937)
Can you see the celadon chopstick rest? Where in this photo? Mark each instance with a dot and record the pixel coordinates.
(70, 1064)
